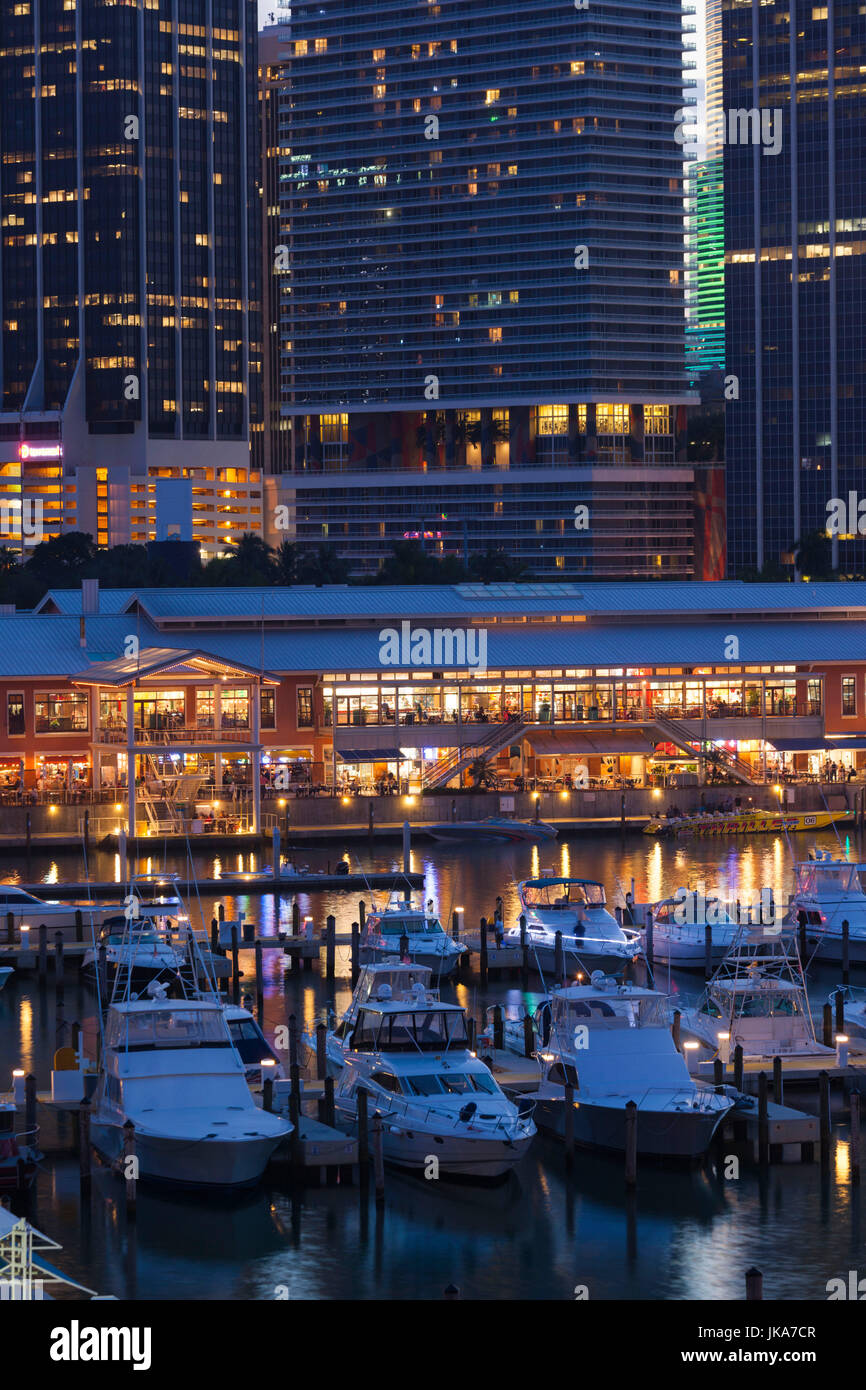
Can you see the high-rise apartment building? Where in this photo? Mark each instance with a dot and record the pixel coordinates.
(795, 276)
(130, 352)
(273, 85)
(483, 328)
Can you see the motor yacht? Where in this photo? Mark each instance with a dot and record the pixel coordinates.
(424, 941)
(493, 830)
(152, 893)
(390, 978)
(437, 1100)
(141, 949)
(679, 929)
(170, 1066)
(612, 1044)
(830, 892)
(592, 939)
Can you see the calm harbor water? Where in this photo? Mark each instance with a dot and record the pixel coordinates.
(543, 1233)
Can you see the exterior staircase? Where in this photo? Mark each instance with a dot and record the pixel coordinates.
(456, 760)
(677, 733)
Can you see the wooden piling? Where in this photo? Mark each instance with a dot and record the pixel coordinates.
(738, 1067)
(528, 1036)
(330, 947)
(295, 1092)
(856, 1137)
(483, 952)
(568, 1126)
(362, 912)
(236, 979)
(43, 952)
(451, 1293)
(221, 911)
(675, 1029)
(296, 918)
(708, 951)
(524, 948)
(84, 1143)
(630, 1144)
(828, 1026)
(801, 923)
(130, 1167)
(558, 959)
(356, 952)
(718, 1072)
(840, 1011)
(321, 1051)
(79, 925)
(268, 1094)
(214, 937)
(455, 925)
(648, 938)
(58, 959)
(102, 973)
(778, 1085)
(763, 1121)
(846, 973)
(30, 1103)
(10, 928)
(470, 1033)
(498, 1028)
(378, 1159)
(330, 1107)
(363, 1133)
(754, 1285)
(260, 985)
(824, 1115)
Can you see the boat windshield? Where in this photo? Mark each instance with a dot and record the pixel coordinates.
(610, 1011)
(817, 880)
(425, 1030)
(563, 895)
(415, 925)
(161, 1028)
(768, 1006)
(449, 1083)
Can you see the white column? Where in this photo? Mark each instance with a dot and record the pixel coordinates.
(257, 757)
(130, 759)
(218, 725)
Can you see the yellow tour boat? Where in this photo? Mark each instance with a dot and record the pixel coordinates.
(752, 822)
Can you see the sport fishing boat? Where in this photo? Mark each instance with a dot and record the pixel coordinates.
(390, 978)
(748, 822)
(435, 1097)
(144, 949)
(680, 925)
(612, 1043)
(592, 939)
(757, 999)
(830, 892)
(153, 894)
(495, 829)
(424, 941)
(171, 1067)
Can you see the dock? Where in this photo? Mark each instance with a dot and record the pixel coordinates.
(285, 885)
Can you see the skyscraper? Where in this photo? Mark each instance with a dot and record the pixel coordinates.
(484, 323)
(130, 354)
(795, 288)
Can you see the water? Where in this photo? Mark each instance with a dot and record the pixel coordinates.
(544, 1233)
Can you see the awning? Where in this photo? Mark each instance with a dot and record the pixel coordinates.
(370, 755)
(831, 743)
(561, 743)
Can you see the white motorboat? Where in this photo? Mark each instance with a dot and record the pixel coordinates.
(415, 935)
(169, 1065)
(152, 893)
(257, 1056)
(854, 1009)
(680, 925)
(830, 892)
(141, 949)
(390, 978)
(437, 1100)
(5, 972)
(612, 1044)
(756, 1000)
(592, 939)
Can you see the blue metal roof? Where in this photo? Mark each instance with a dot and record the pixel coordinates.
(50, 645)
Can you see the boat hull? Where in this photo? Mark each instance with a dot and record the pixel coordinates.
(674, 1134)
(182, 1162)
(748, 824)
(457, 1155)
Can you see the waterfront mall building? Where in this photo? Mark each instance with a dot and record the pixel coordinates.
(241, 694)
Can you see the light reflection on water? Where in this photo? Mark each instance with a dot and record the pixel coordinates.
(684, 1235)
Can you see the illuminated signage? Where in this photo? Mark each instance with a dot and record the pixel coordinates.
(40, 451)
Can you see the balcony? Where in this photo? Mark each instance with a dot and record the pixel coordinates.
(169, 734)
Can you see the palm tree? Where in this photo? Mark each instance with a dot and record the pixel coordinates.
(286, 562)
(482, 773)
(254, 558)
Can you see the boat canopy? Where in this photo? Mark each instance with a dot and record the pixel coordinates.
(137, 1030)
(607, 1010)
(562, 893)
(409, 1030)
(404, 924)
(398, 978)
(827, 878)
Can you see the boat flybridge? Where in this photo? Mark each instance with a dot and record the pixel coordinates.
(421, 933)
(390, 978)
(830, 892)
(680, 925)
(437, 1100)
(612, 1043)
(143, 948)
(171, 1067)
(592, 939)
(756, 1000)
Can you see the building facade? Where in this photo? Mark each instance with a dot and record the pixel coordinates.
(483, 323)
(130, 353)
(794, 278)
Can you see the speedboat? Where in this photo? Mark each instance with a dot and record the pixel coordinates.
(756, 1000)
(5, 972)
(830, 892)
(19, 1152)
(438, 1102)
(141, 949)
(424, 941)
(30, 911)
(592, 939)
(494, 829)
(611, 1043)
(752, 821)
(170, 1066)
(680, 925)
(390, 978)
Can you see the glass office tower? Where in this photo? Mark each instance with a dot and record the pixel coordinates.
(130, 274)
(484, 305)
(795, 290)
